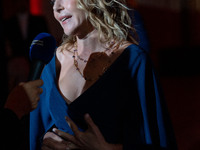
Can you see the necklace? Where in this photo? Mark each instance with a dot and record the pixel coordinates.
(76, 62)
(100, 55)
(80, 58)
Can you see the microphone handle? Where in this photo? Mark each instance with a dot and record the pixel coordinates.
(36, 70)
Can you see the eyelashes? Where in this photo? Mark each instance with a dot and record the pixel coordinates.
(52, 2)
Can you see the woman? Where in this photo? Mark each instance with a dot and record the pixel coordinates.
(99, 70)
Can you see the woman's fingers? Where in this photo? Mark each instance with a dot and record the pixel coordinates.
(77, 133)
(52, 141)
(71, 140)
(90, 123)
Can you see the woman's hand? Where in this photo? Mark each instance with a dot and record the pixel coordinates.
(51, 141)
(91, 139)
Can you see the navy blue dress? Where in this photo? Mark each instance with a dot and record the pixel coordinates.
(126, 103)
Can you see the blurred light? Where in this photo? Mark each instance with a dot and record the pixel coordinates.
(36, 7)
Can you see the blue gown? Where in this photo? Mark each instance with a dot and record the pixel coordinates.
(126, 103)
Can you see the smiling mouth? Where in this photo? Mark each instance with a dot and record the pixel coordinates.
(64, 19)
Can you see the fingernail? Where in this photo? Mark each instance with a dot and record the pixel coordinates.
(69, 124)
(54, 129)
(87, 115)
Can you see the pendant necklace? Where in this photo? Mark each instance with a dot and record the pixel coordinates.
(76, 57)
(75, 54)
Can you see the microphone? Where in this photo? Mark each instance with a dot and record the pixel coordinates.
(41, 52)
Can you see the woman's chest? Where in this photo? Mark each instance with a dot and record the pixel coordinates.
(75, 77)
(70, 83)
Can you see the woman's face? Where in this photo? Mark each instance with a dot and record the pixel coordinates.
(72, 19)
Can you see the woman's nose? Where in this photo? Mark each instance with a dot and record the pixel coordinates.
(58, 7)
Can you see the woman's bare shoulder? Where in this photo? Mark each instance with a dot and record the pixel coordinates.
(59, 53)
(63, 55)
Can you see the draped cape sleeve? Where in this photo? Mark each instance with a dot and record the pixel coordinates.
(51, 110)
(153, 126)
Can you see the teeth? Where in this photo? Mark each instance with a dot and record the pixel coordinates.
(64, 19)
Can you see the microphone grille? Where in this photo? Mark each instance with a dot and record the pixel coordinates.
(43, 47)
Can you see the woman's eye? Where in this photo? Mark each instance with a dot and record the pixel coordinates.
(52, 2)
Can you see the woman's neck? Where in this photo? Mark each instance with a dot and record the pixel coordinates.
(90, 43)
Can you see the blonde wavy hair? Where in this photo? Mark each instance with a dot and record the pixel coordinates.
(109, 17)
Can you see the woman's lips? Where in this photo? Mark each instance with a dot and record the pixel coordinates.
(64, 19)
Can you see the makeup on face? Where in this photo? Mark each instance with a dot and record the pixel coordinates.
(72, 19)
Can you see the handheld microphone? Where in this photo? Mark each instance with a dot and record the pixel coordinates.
(41, 52)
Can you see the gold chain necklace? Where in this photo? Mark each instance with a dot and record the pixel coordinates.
(75, 57)
(76, 62)
(80, 58)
